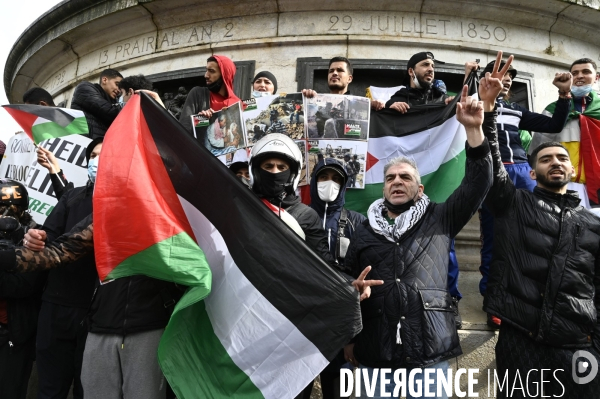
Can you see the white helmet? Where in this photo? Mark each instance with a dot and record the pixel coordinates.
(279, 146)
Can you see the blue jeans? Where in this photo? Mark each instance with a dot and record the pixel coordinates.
(391, 385)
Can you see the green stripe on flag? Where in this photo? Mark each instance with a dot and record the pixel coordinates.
(210, 372)
(438, 185)
(176, 259)
(50, 130)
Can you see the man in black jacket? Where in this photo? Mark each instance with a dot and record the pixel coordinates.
(99, 101)
(544, 281)
(422, 87)
(408, 321)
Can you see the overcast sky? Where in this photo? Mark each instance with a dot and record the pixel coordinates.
(15, 17)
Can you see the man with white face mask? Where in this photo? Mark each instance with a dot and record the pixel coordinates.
(421, 85)
(327, 193)
(583, 126)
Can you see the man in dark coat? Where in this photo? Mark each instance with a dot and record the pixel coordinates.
(544, 281)
(99, 102)
(408, 321)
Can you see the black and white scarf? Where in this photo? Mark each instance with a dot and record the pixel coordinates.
(404, 222)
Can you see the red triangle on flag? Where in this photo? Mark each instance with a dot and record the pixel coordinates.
(371, 161)
(24, 119)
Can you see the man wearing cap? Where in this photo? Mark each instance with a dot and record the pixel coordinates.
(512, 118)
(423, 88)
(264, 84)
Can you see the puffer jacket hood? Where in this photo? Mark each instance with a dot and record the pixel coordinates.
(316, 203)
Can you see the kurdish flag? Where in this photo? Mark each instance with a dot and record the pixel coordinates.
(430, 135)
(42, 123)
(581, 137)
(263, 314)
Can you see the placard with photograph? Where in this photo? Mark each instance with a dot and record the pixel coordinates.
(274, 114)
(336, 116)
(352, 154)
(223, 132)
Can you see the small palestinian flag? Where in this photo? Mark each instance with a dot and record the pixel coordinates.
(42, 123)
(277, 313)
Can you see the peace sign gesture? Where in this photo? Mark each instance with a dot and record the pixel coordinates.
(491, 85)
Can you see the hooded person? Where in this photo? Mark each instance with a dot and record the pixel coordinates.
(217, 94)
(275, 166)
(328, 196)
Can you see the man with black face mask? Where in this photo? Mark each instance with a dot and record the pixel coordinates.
(275, 166)
(217, 94)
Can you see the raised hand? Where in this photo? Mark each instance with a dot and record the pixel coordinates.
(563, 81)
(469, 112)
(490, 86)
(47, 160)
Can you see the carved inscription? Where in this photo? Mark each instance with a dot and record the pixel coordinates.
(408, 25)
(207, 33)
(56, 80)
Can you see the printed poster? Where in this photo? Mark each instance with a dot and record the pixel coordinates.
(223, 132)
(337, 116)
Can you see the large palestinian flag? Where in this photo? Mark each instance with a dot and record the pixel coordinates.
(42, 123)
(276, 314)
(430, 135)
(581, 137)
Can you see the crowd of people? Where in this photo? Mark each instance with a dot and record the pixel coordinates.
(540, 258)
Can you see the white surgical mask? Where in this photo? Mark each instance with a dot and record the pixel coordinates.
(256, 93)
(328, 190)
(416, 81)
(93, 168)
(581, 91)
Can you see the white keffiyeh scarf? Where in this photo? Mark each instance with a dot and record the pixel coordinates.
(404, 222)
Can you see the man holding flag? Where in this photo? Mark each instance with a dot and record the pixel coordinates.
(276, 314)
(581, 134)
(408, 321)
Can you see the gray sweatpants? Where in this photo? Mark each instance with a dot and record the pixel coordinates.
(123, 367)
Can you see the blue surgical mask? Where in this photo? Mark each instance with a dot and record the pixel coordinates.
(93, 168)
(257, 94)
(581, 91)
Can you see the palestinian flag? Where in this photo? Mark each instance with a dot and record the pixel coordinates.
(276, 315)
(430, 135)
(581, 137)
(42, 123)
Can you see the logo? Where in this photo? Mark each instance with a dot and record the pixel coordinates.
(581, 367)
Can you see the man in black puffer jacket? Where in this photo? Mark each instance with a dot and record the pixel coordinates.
(408, 322)
(99, 102)
(544, 276)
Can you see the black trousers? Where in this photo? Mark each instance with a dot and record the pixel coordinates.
(61, 335)
(522, 360)
(16, 363)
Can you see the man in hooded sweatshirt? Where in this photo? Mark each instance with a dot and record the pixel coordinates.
(327, 193)
(217, 94)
